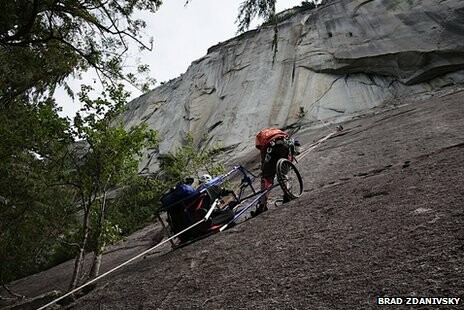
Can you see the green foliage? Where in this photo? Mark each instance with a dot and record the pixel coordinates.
(136, 203)
(112, 151)
(250, 9)
(307, 5)
(265, 9)
(64, 246)
(191, 160)
(29, 244)
(284, 15)
(44, 173)
(43, 42)
(104, 232)
(106, 158)
(35, 207)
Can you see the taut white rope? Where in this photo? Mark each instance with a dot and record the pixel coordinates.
(130, 260)
(313, 146)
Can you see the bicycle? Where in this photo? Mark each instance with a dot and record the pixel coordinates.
(201, 205)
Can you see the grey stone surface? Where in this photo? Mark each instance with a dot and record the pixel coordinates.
(381, 215)
(333, 62)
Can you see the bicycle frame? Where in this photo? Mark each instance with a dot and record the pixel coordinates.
(246, 183)
(240, 212)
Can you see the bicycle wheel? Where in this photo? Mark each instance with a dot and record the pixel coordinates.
(289, 178)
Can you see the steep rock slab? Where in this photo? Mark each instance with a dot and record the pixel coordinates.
(343, 58)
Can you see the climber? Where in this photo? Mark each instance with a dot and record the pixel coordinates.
(273, 144)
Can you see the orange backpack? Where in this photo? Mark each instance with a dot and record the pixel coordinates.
(267, 135)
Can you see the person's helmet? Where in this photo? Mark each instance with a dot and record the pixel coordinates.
(205, 178)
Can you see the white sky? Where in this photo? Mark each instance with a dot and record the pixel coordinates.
(181, 35)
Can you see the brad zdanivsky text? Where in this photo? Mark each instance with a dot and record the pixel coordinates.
(418, 300)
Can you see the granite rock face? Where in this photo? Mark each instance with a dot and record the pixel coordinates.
(338, 60)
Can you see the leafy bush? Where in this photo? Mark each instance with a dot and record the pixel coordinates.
(136, 203)
(191, 160)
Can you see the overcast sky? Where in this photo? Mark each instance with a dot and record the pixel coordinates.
(181, 35)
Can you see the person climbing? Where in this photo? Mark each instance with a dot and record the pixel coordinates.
(273, 145)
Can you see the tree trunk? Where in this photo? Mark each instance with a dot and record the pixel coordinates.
(101, 244)
(80, 257)
(97, 259)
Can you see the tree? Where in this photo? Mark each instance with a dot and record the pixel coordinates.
(42, 42)
(44, 173)
(106, 158)
(265, 9)
(136, 203)
(250, 9)
(35, 209)
(191, 159)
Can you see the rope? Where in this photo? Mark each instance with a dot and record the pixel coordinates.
(315, 144)
(299, 157)
(325, 124)
(129, 261)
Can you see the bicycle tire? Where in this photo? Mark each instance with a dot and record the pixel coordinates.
(289, 178)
